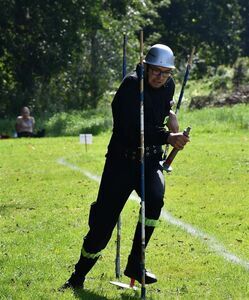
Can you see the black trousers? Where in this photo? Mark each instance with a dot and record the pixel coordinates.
(25, 134)
(120, 177)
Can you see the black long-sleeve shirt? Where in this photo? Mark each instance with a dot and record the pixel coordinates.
(126, 113)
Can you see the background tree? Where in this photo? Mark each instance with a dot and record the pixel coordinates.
(96, 69)
(213, 27)
(64, 55)
(37, 40)
(244, 12)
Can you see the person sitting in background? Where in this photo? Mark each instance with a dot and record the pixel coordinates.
(25, 124)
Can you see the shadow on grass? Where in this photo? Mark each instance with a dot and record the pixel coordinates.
(129, 297)
(89, 295)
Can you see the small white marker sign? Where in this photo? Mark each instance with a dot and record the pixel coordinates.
(86, 138)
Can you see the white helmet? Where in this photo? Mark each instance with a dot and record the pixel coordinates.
(160, 55)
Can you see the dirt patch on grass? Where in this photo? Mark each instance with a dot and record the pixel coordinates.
(240, 95)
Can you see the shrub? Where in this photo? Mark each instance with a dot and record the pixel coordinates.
(7, 127)
(222, 80)
(241, 71)
(76, 122)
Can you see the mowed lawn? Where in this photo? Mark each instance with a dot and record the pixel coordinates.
(44, 208)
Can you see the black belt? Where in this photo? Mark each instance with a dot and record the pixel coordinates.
(149, 151)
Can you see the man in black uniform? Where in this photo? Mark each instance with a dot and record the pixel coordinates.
(121, 173)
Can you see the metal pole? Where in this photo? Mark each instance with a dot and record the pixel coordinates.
(143, 288)
(189, 64)
(179, 102)
(124, 55)
(118, 245)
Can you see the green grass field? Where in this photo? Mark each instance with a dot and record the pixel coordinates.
(44, 209)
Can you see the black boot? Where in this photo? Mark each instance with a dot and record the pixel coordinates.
(134, 270)
(76, 280)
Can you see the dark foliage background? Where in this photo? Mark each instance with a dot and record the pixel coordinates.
(57, 56)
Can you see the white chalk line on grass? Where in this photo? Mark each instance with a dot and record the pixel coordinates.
(208, 239)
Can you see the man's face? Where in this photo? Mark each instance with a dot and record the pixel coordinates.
(157, 76)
